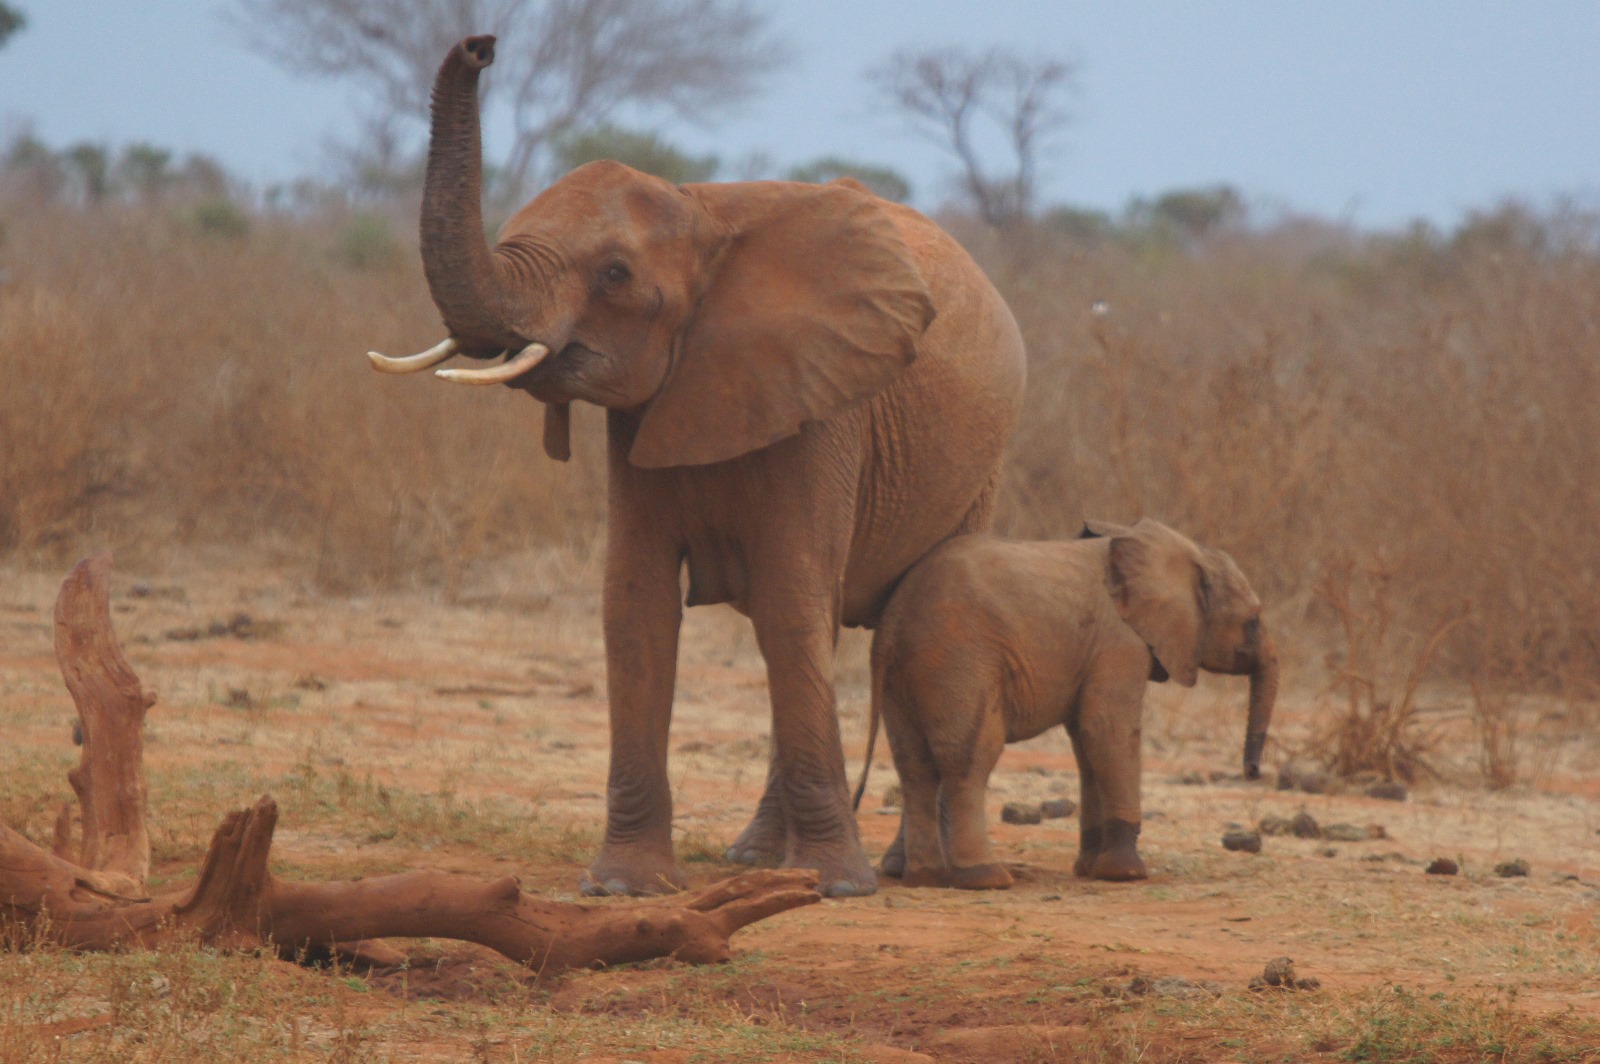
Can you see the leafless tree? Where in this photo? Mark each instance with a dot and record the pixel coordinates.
(562, 64)
(958, 99)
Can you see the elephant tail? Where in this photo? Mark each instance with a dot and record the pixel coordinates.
(874, 712)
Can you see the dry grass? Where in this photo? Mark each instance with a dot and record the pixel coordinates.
(1299, 397)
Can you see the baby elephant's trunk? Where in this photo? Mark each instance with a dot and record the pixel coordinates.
(1263, 694)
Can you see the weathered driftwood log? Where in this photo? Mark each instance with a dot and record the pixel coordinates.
(237, 902)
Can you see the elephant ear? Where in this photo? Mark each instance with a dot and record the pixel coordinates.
(1154, 576)
(815, 305)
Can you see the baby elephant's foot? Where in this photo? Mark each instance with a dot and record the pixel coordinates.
(972, 877)
(992, 876)
(1118, 859)
(1090, 842)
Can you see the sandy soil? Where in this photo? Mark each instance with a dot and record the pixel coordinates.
(498, 702)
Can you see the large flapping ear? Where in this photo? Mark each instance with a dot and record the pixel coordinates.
(1101, 530)
(815, 305)
(1155, 577)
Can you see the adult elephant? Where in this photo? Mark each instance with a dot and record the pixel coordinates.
(807, 388)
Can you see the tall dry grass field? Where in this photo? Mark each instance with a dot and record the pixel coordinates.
(1417, 418)
(167, 388)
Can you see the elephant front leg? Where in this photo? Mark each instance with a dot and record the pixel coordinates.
(642, 618)
(1109, 737)
(797, 641)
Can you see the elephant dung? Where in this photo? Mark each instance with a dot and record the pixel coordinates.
(1279, 974)
(1347, 833)
(1057, 808)
(1020, 813)
(1276, 825)
(1242, 841)
(1304, 826)
(1512, 868)
(1443, 866)
(1173, 986)
(1388, 790)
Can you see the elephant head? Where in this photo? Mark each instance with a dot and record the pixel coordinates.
(725, 314)
(1195, 610)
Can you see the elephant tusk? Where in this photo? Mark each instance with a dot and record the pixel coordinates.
(510, 369)
(412, 363)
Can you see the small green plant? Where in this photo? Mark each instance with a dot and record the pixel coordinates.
(367, 241)
(221, 219)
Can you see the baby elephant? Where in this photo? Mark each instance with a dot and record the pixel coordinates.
(988, 641)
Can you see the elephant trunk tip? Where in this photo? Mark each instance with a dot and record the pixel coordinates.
(477, 52)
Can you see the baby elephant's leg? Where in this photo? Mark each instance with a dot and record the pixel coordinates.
(1091, 826)
(965, 775)
(1109, 727)
(916, 850)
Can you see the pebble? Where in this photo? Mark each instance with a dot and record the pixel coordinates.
(1443, 866)
(1056, 808)
(1512, 868)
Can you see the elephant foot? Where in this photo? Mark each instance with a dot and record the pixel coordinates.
(842, 869)
(762, 841)
(624, 870)
(1118, 860)
(893, 864)
(992, 876)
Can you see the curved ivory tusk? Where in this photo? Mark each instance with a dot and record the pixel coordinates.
(510, 369)
(412, 363)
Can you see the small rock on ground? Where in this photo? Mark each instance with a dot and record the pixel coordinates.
(1243, 841)
(892, 796)
(1276, 825)
(1305, 778)
(1443, 866)
(1020, 813)
(1509, 869)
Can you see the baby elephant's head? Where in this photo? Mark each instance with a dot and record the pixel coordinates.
(1195, 610)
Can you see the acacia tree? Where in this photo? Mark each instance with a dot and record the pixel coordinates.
(563, 64)
(959, 99)
(11, 20)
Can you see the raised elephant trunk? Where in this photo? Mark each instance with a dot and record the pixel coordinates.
(462, 276)
(1263, 695)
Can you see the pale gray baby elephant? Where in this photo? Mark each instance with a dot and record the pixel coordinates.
(988, 641)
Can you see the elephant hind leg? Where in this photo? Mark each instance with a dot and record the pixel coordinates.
(765, 839)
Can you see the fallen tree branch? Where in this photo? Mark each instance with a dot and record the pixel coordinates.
(46, 898)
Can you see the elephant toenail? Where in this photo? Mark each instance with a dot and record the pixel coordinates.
(843, 888)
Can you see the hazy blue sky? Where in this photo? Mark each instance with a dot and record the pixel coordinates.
(1370, 110)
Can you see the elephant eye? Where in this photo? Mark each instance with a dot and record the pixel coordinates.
(615, 275)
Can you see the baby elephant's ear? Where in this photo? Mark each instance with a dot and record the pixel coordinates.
(816, 304)
(1101, 530)
(1154, 577)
